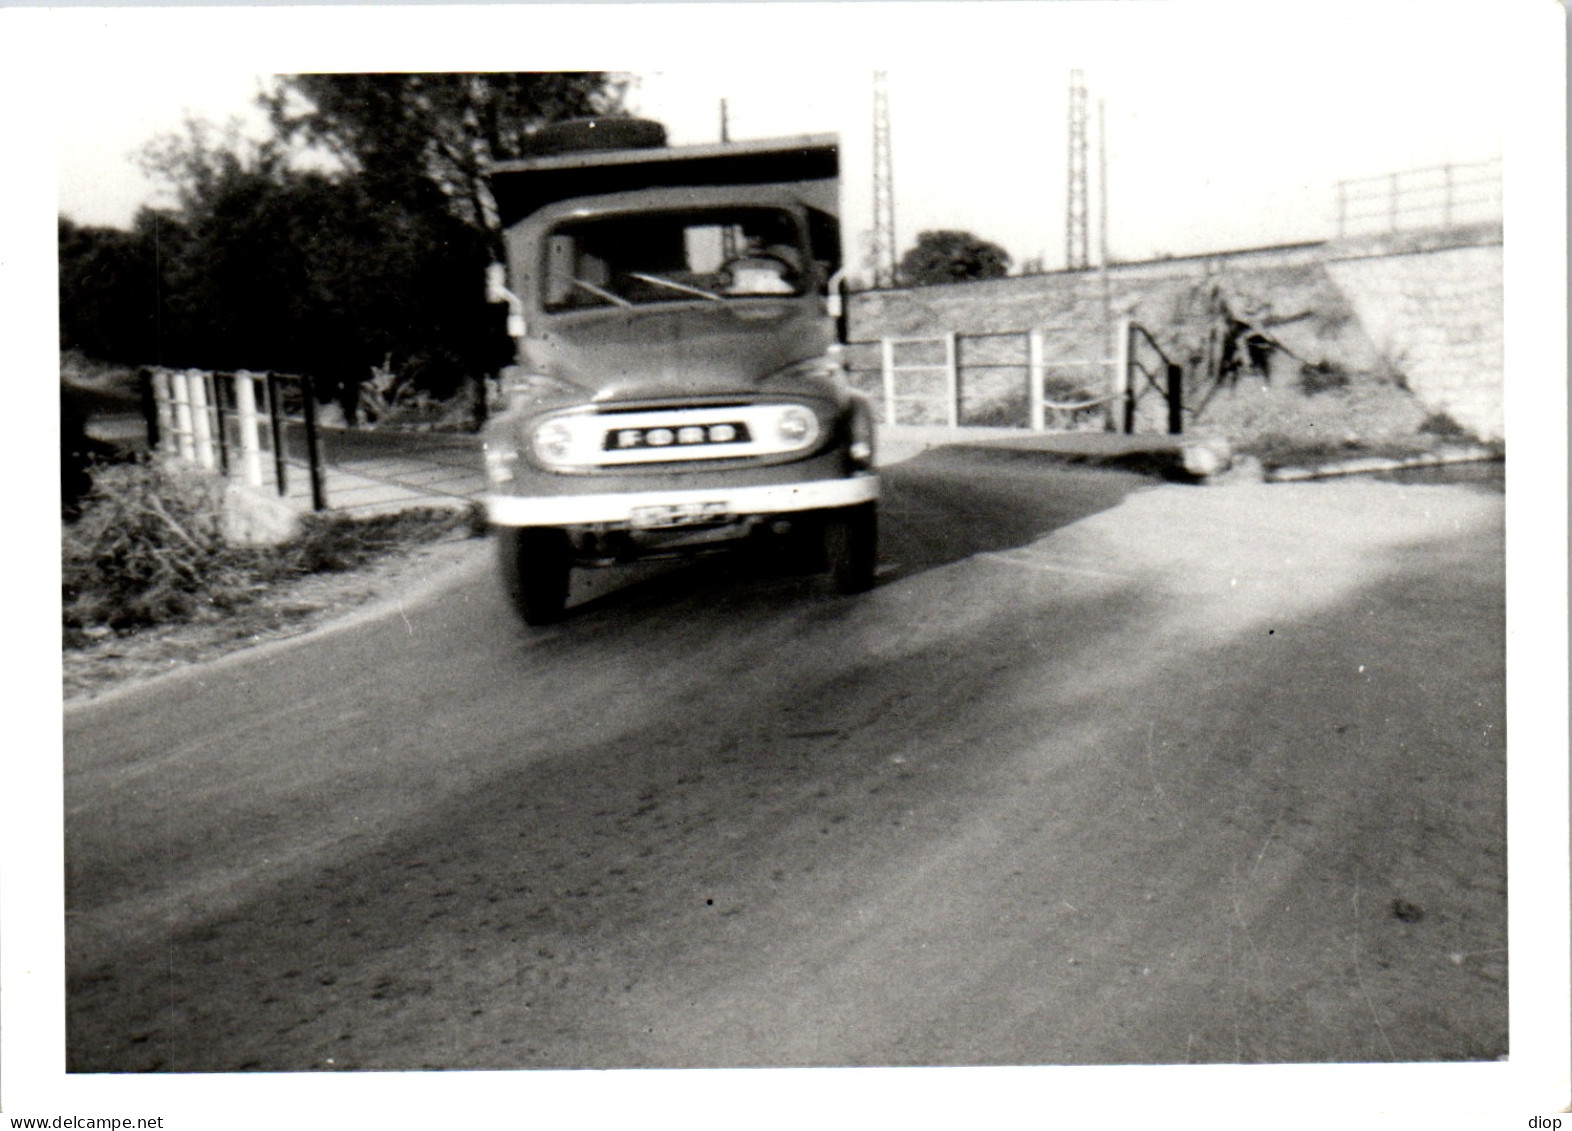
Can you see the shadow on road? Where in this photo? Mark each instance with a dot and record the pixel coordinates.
(949, 504)
(747, 839)
(941, 507)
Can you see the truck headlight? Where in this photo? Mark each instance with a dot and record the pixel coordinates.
(797, 426)
(553, 442)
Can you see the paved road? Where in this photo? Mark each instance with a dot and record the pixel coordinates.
(1102, 772)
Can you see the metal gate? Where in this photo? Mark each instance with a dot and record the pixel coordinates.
(922, 380)
(225, 422)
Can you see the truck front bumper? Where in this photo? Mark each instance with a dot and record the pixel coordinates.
(619, 508)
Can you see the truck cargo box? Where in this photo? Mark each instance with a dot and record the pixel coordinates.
(810, 164)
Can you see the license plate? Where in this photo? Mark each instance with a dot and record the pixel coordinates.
(679, 514)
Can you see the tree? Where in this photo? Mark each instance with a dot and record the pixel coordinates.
(426, 139)
(265, 266)
(358, 232)
(108, 293)
(952, 257)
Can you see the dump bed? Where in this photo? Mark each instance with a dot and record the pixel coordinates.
(809, 164)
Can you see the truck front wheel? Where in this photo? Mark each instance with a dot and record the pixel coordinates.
(851, 543)
(535, 562)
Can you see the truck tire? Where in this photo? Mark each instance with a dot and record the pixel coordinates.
(535, 562)
(851, 543)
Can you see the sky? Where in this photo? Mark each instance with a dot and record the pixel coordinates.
(1226, 126)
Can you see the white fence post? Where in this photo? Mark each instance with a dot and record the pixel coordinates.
(181, 386)
(952, 381)
(1036, 379)
(246, 413)
(1121, 376)
(166, 414)
(201, 422)
(887, 364)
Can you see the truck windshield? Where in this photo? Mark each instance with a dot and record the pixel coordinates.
(710, 255)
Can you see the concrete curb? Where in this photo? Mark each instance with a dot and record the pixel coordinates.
(1192, 458)
(1372, 464)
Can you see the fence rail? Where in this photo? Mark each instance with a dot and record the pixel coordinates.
(1442, 195)
(224, 422)
(924, 379)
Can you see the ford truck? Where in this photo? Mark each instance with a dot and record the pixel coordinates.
(677, 385)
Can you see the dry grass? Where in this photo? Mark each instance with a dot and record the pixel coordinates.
(148, 550)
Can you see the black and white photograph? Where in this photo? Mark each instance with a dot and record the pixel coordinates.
(789, 564)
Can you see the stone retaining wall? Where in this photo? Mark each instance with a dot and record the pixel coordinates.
(1421, 310)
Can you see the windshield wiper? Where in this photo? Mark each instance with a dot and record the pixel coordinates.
(676, 286)
(601, 292)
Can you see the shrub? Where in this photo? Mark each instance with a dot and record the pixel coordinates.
(148, 548)
(1441, 424)
(330, 543)
(1009, 411)
(1323, 377)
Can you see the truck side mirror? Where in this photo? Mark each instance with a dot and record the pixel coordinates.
(835, 304)
(497, 283)
(497, 291)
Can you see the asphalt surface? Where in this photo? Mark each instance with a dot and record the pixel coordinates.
(1102, 772)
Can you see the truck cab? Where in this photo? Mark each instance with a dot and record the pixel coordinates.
(677, 386)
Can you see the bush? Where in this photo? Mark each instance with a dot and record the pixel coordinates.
(148, 550)
(1012, 410)
(331, 543)
(1441, 424)
(1323, 377)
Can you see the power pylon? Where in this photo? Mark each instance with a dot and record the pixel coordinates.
(729, 232)
(1076, 236)
(882, 251)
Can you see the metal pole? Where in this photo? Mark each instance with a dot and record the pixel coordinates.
(952, 380)
(1102, 217)
(887, 365)
(1035, 379)
(308, 395)
(1121, 380)
(275, 412)
(149, 408)
(1175, 400)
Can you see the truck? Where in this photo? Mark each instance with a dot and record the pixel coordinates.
(677, 386)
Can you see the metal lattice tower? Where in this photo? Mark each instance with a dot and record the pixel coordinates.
(1076, 227)
(728, 233)
(882, 251)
